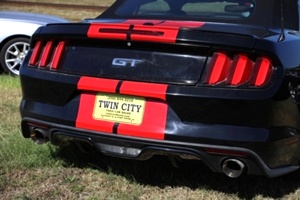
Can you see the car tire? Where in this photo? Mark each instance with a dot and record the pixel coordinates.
(13, 53)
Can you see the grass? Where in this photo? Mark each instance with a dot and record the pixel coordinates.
(22, 151)
(29, 171)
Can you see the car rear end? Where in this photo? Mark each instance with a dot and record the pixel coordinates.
(134, 88)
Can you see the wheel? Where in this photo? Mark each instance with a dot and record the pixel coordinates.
(13, 54)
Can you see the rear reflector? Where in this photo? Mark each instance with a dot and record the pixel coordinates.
(47, 54)
(226, 152)
(239, 70)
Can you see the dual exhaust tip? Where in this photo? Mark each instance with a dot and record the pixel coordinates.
(39, 135)
(233, 168)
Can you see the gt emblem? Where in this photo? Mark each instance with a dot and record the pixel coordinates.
(123, 62)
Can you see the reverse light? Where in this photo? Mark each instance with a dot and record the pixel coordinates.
(238, 70)
(47, 54)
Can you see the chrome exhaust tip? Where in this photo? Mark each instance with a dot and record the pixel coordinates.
(233, 168)
(39, 135)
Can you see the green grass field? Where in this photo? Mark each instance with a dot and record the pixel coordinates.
(30, 171)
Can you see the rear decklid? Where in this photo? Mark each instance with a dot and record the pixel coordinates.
(163, 51)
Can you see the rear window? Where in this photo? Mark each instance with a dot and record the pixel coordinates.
(187, 8)
(267, 13)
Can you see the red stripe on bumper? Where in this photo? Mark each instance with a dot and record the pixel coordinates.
(153, 125)
(155, 115)
(154, 122)
(85, 118)
(151, 90)
(97, 84)
(144, 89)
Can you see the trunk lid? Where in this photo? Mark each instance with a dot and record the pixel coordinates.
(173, 52)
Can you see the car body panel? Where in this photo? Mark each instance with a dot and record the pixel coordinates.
(27, 29)
(35, 18)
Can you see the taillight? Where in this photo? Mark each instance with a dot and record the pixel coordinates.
(263, 70)
(238, 70)
(36, 53)
(57, 54)
(47, 54)
(218, 67)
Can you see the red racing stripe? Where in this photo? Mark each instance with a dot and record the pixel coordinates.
(153, 125)
(141, 30)
(143, 33)
(108, 31)
(152, 90)
(87, 101)
(132, 88)
(154, 122)
(132, 32)
(85, 118)
(97, 84)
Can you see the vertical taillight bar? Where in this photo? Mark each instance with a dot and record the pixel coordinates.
(35, 56)
(264, 70)
(46, 54)
(218, 68)
(240, 70)
(57, 54)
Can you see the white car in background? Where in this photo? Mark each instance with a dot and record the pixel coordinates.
(16, 30)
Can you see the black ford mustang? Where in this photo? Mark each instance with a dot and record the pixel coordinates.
(217, 81)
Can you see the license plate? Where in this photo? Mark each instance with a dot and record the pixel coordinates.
(119, 108)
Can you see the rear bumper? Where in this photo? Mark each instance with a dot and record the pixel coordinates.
(194, 127)
(274, 153)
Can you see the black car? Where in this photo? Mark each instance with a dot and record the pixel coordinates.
(216, 81)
